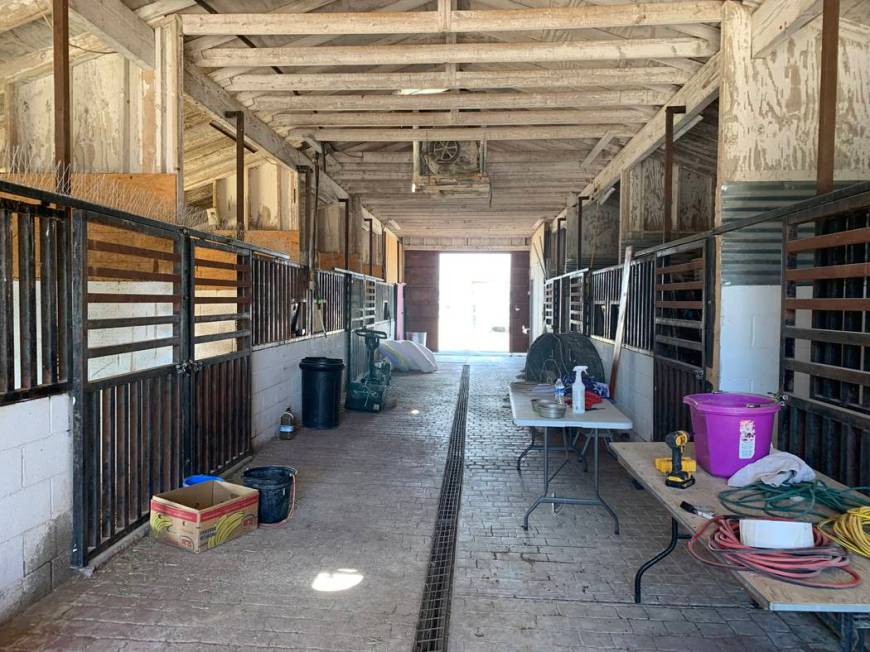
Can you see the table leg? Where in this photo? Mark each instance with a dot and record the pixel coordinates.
(545, 495)
(537, 447)
(675, 537)
(595, 482)
(531, 447)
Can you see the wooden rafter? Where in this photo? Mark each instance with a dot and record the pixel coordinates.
(463, 101)
(471, 80)
(534, 52)
(466, 118)
(464, 133)
(455, 22)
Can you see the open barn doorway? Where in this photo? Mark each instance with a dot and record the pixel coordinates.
(474, 302)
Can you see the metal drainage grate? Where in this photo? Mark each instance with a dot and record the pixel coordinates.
(435, 607)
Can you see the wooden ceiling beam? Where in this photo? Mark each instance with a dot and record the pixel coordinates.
(119, 28)
(460, 101)
(464, 133)
(454, 22)
(532, 52)
(465, 118)
(215, 102)
(696, 95)
(492, 156)
(775, 20)
(348, 81)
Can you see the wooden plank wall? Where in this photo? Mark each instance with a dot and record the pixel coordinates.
(520, 317)
(421, 294)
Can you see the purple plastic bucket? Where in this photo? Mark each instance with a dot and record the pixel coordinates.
(731, 430)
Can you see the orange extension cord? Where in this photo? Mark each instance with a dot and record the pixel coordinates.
(797, 566)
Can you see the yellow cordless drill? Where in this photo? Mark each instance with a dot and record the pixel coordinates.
(678, 469)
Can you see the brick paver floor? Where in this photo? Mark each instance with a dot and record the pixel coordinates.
(567, 583)
(367, 497)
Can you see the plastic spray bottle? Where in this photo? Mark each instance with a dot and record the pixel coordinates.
(578, 391)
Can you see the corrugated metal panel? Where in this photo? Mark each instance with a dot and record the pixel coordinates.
(753, 256)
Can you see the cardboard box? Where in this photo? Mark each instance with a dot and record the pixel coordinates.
(204, 515)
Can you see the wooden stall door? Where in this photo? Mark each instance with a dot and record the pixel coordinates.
(520, 317)
(421, 294)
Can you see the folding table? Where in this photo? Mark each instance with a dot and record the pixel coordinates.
(604, 416)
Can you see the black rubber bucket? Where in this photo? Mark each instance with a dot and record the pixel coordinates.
(276, 485)
(321, 391)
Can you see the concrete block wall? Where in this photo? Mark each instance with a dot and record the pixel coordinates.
(634, 385)
(35, 499)
(277, 379)
(749, 338)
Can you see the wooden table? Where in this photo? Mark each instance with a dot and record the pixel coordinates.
(604, 416)
(849, 607)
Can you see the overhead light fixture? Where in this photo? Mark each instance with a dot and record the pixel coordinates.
(394, 225)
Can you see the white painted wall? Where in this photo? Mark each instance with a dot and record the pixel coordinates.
(35, 499)
(634, 386)
(277, 379)
(749, 323)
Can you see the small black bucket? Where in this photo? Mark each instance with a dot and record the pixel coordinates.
(277, 487)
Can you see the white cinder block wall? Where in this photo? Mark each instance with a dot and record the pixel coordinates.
(35, 499)
(277, 379)
(634, 386)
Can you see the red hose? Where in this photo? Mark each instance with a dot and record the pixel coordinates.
(796, 566)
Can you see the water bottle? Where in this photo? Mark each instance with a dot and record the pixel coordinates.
(287, 428)
(559, 391)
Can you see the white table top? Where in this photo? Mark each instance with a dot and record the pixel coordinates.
(604, 416)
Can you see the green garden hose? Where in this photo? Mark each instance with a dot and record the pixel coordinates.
(804, 500)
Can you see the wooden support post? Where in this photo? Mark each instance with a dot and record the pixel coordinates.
(239, 117)
(371, 243)
(306, 225)
(580, 200)
(346, 203)
(383, 252)
(828, 96)
(169, 104)
(62, 117)
(668, 201)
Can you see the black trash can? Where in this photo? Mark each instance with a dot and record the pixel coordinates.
(321, 391)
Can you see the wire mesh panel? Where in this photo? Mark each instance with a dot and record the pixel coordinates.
(33, 300)
(826, 339)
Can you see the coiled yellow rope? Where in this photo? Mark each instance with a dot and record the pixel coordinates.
(851, 530)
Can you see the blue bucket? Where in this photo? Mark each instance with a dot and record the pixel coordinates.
(198, 479)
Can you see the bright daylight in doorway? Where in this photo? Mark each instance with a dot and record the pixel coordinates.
(474, 302)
